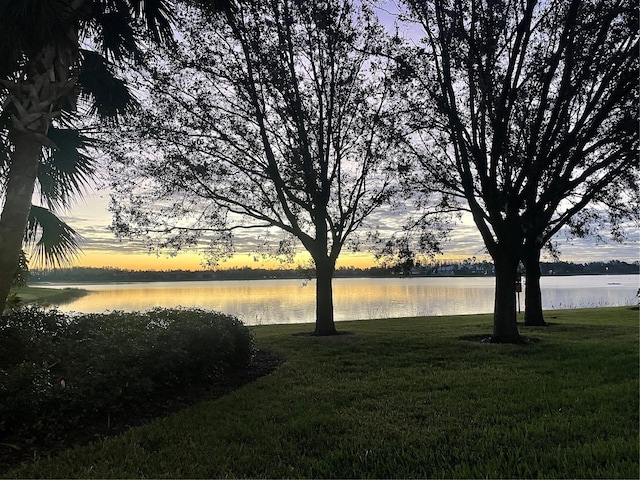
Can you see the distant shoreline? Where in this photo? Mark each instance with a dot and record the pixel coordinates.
(466, 269)
(225, 279)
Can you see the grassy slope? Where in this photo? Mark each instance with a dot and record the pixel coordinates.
(405, 398)
(47, 296)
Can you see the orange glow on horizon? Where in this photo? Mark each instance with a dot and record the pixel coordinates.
(193, 261)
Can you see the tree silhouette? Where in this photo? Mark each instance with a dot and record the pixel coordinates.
(44, 71)
(534, 116)
(278, 114)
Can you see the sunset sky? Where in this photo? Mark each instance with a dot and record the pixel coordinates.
(90, 218)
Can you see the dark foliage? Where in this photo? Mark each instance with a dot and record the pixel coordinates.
(531, 122)
(22, 273)
(58, 373)
(279, 116)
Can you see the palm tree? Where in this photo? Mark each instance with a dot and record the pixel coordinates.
(62, 176)
(51, 241)
(43, 73)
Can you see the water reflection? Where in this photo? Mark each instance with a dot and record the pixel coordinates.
(293, 301)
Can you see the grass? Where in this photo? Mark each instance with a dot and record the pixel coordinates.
(404, 398)
(47, 296)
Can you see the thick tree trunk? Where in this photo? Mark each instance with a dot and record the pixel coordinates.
(15, 212)
(533, 316)
(505, 327)
(324, 298)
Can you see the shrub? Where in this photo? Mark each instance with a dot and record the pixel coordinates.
(57, 370)
(30, 334)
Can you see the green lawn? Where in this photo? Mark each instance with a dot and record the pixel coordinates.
(404, 398)
(47, 296)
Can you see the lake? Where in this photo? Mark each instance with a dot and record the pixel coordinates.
(293, 301)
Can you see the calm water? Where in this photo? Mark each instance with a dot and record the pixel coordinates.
(292, 301)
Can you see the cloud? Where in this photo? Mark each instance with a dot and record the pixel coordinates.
(91, 219)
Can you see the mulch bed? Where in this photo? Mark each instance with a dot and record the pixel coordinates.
(14, 452)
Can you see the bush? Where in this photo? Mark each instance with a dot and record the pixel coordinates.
(57, 371)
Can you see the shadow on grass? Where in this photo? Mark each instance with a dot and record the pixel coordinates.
(484, 338)
(313, 335)
(15, 451)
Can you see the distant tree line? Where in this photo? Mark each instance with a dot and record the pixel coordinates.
(464, 268)
(613, 267)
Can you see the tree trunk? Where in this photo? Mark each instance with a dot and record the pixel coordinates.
(324, 297)
(505, 327)
(15, 213)
(533, 316)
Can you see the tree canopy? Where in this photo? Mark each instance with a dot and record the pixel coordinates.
(277, 115)
(533, 118)
(53, 54)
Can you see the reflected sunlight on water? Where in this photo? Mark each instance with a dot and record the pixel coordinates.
(293, 301)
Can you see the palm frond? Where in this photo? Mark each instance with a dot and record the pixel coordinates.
(118, 25)
(54, 243)
(22, 273)
(115, 31)
(108, 95)
(64, 173)
(27, 25)
(158, 17)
